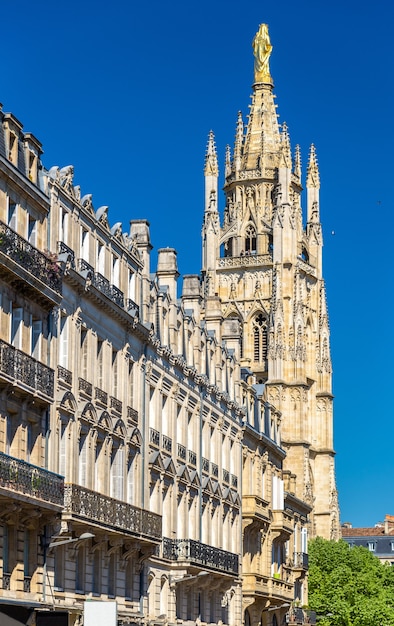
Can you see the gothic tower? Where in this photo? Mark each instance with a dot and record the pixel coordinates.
(263, 264)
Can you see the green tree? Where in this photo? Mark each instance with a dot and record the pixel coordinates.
(349, 586)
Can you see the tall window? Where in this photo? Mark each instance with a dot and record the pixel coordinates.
(111, 575)
(84, 353)
(63, 347)
(12, 214)
(16, 326)
(117, 473)
(32, 230)
(96, 584)
(36, 333)
(115, 373)
(100, 362)
(80, 570)
(260, 338)
(250, 239)
(85, 244)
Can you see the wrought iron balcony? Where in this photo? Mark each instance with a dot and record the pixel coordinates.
(132, 415)
(101, 283)
(154, 437)
(38, 265)
(64, 375)
(197, 553)
(181, 452)
(19, 477)
(166, 443)
(85, 387)
(301, 560)
(115, 404)
(19, 367)
(192, 458)
(115, 515)
(101, 395)
(66, 254)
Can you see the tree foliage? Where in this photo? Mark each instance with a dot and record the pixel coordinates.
(349, 586)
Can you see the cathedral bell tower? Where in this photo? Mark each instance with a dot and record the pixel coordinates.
(264, 265)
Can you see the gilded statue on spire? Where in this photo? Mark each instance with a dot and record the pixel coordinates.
(262, 49)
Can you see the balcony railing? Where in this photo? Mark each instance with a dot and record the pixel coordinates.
(154, 437)
(132, 415)
(166, 443)
(113, 514)
(192, 458)
(246, 260)
(29, 258)
(115, 404)
(200, 554)
(20, 477)
(23, 368)
(301, 560)
(181, 452)
(85, 387)
(64, 375)
(101, 396)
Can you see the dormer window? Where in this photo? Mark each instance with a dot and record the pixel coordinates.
(13, 148)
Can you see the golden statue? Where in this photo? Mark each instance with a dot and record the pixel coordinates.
(262, 49)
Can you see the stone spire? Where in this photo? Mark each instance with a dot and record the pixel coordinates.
(211, 214)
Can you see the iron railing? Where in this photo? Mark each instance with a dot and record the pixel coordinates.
(110, 513)
(199, 553)
(23, 368)
(31, 480)
(115, 404)
(64, 375)
(30, 258)
(85, 386)
(301, 560)
(181, 452)
(132, 415)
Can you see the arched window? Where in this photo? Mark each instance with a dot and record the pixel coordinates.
(250, 239)
(260, 338)
(226, 249)
(305, 255)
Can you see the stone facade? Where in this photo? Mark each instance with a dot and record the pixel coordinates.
(166, 451)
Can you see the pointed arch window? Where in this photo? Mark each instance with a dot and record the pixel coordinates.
(260, 338)
(250, 239)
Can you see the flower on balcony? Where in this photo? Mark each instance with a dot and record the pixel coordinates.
(54, 270)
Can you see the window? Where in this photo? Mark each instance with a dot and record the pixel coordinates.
(371, 546)
(85, 244)
(36, 334)
(250, 240)
(260, 338)
(117, 473)
(96, 584)
(12, 214)
(13, 148)
(63, 347)
(100, 363)
(277, 493)
(16, 326)
(101, 258)
(58, 555)
(32, 230)
(115, 271)
(115, 373)
(80, 571)
(84, 353)
(111, 575)
(392, 546)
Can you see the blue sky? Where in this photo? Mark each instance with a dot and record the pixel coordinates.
(128, 93)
